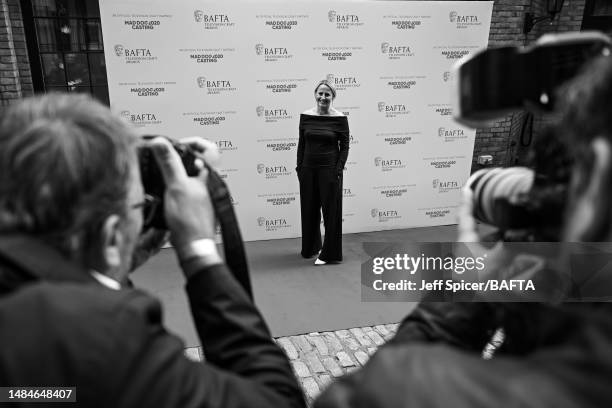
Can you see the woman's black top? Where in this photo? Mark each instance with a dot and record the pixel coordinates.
(323, 142)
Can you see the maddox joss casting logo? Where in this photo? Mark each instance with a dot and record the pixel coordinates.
(343, 82)
(454, 53)
(402, 82)
(445, 185)
(406, 22)
(344, 21)
(451, 134)
(384, 215)
(443, 162)
(134, 55)
(463, 20)
(272, 224)
(272, 54)
(441, 109)
(140, 119)
(395, 51)
(272, 114)
(142, 24)
(392, 111)
(273, 171)
(387, 164)
(214, 86)
(437, 212)
(212, 21)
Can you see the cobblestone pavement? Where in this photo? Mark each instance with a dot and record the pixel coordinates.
(318, 357)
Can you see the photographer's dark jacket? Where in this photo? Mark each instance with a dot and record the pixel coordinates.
(552, 357)
(60, 327)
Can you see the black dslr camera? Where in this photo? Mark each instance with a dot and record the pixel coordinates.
(155, 187)
(153, 181)
(528, 201)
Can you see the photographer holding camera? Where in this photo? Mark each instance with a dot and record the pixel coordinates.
(554, 354)
(71, 216)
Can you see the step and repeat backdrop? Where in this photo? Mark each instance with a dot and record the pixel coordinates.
(240, 74)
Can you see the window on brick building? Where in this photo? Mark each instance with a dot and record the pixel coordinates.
(65, 46)
(598, 15)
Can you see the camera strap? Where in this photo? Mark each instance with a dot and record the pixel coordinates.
(233, 246)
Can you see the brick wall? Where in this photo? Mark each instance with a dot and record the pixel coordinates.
(502, 140)
(15, 75)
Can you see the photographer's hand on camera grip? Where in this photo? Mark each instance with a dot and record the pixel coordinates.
(187, 206)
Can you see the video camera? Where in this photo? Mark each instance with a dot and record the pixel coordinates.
(497, 81)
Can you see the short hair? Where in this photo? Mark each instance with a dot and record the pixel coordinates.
(65, 165)
(326, 83)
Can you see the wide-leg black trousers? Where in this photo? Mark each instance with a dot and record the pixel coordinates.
(321, 189)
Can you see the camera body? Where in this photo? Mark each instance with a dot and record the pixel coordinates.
(527, 202)
(496, 81)
(153, 180)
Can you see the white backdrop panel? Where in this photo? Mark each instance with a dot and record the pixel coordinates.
(240, 74)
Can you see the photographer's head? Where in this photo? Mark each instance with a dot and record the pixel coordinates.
(587, 124)
(69, 176)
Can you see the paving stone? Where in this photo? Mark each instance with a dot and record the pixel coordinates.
(333, 342)
(351, 343)
(382, 330)
(310, 386)
(342, 334)
(375, 337)
(366, 329)
(371, 350)
(361, 337)
(288, 347)
(362, 357)
(302, 343)
(351, 369)
(193, 354)
(315, 364)
(345, 360)
(324, 380)
(332, 367)
(300, 369)
(320, 345)
(392, 327)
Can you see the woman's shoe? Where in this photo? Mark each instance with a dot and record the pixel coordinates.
(319, 262)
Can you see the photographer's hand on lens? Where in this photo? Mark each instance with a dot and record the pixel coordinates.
(187, 206)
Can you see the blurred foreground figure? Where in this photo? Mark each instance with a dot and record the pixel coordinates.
(554, 355)
(71, 217)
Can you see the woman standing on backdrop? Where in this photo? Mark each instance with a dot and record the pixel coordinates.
(321, 155)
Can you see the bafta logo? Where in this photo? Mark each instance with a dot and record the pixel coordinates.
(374, 212)
(260, 168)
(446, 76)
(259, 110)
(435, 183)
(330, 78)
(198, 15)
(331, 15)
(119, 50)
(452, 16)
(377, 161)
(125, 115)
(261, 221)
(202, 82)
(441, 132)
(381, 106)
(384, 47)
(259, 49)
